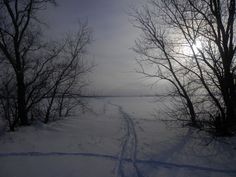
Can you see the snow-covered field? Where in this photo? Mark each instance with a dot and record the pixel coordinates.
(119, 138)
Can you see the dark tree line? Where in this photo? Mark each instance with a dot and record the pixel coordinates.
(38, 79)
(191, 45)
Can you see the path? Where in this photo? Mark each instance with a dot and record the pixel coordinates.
(128, 145)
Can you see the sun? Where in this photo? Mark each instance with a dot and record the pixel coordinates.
(197, 45)
(193, 48)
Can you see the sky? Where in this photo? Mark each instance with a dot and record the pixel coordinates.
(113, 38)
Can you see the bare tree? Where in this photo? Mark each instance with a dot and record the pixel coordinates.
(67, 79)
(17, 39)
(41, 71)
(191, 44)
(7, 98)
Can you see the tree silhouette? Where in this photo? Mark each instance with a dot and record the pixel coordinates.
(191, 44)
(34, 71)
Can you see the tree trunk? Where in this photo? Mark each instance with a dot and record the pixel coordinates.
(192, 113)
(228, 122)
(230, 105)
(22, 112)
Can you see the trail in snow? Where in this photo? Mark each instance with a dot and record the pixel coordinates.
(115, 158)
(128, 145)
(132, 138)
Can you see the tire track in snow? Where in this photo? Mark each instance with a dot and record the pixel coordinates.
(130, 138)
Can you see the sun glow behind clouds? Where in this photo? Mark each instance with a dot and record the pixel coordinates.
(191, 49)
(197, 45)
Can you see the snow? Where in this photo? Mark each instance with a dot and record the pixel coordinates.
(119, 138)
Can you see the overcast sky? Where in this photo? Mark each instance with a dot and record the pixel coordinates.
(113, 35)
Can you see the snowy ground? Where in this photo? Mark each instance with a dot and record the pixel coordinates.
(120, 138)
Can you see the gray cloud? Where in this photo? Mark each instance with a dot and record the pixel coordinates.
(113, 38)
